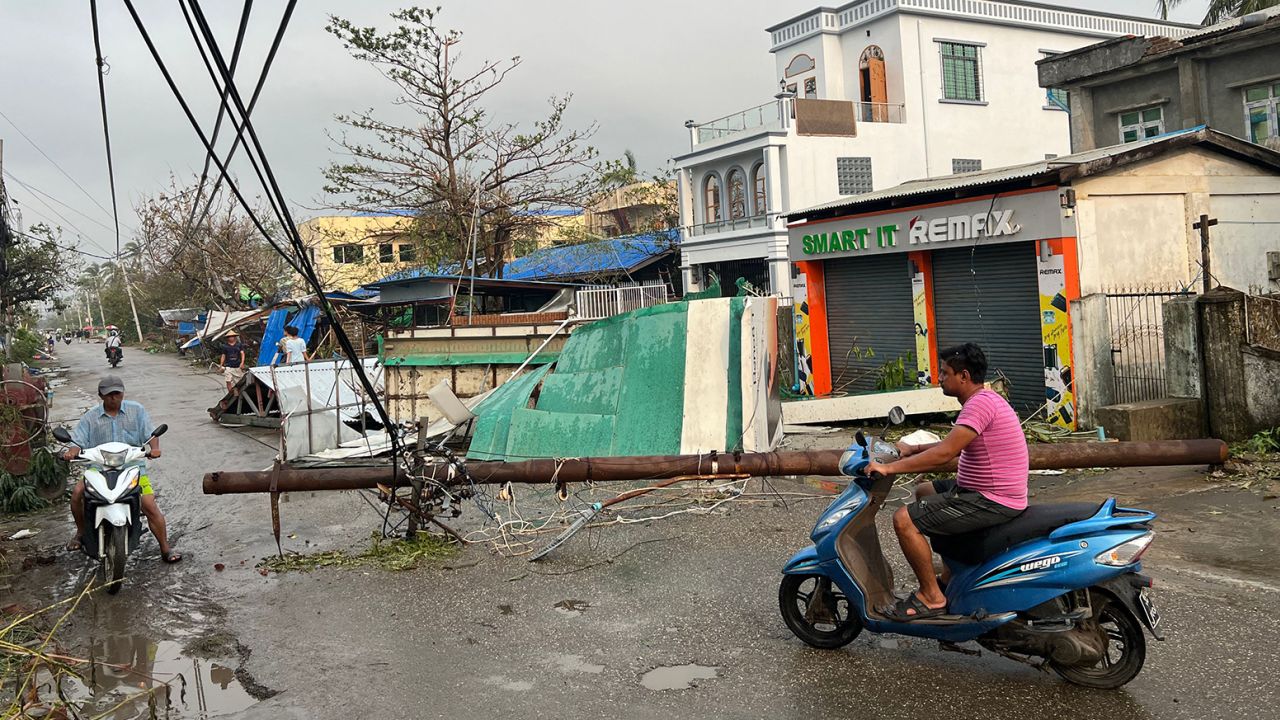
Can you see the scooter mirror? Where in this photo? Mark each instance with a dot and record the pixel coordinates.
(160, 430)
(897, 415)
(61, 435)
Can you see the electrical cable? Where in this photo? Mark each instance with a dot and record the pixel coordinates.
(106, 131)
(291, 231)
(223, 89)
(253, 101)
(52, 161)
(173, 87)
(73, 209)
(222, 102)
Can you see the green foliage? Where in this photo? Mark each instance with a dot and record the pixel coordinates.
(1266, 442)
(896, 374)
(23, 493)
(26, 344)
(389, 554)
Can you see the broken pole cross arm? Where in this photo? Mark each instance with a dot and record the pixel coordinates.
(605, 469)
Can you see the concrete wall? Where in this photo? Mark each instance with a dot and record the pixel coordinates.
(1134, 225)
(1093, 367)
(1240, 381)
(1109, 101)
(1183, 371)
(1206, 87)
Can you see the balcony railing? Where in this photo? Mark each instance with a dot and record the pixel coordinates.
(780, 113)
(881, 112)
(719, 226)
(768, 115)
(600, 303)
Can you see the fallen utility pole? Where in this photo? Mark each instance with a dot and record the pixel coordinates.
(1060, 456)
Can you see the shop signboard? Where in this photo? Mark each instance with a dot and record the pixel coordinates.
(1002, 219)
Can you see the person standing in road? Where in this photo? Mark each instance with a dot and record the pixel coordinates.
(232, 362)
(118, 420)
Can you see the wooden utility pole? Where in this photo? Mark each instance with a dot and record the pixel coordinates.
(128, 288)
(1203, 226)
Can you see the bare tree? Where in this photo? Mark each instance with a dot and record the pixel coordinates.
(457, 169)
(214, 259)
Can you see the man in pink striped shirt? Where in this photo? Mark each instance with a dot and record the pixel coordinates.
(990, 486)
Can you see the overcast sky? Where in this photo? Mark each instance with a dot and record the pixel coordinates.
(637, 69)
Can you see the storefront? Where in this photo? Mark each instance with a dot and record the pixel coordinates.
(884, 290)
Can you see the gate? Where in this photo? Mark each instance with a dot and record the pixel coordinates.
(1137, 340)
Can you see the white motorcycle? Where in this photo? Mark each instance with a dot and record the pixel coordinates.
(112, 503)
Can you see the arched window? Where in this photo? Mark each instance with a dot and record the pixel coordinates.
(711, 195)
(737, 194)
(759, 192)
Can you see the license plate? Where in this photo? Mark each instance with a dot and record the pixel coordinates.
(1149, 610)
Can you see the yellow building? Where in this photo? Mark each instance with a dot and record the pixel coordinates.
(351, 250)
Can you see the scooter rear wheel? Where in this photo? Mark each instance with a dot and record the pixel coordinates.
(117, 539)
(1126, 649)
(827, 631)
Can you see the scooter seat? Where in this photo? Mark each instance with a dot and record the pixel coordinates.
(1036, 521)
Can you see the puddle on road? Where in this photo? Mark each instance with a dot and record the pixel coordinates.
(127, 666)
(575, 664)
(572, 608)
(509, 684)
(678, 677)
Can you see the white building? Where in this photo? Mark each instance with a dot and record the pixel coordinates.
(869, 95)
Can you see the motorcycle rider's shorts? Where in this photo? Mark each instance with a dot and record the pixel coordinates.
(144, 484)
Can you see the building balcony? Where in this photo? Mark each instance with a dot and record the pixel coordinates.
(721, 226)
(790, 115)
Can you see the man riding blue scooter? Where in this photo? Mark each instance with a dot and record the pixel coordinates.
(1057, 586)
(990, 487)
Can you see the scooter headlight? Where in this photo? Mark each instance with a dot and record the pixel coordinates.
(834, 518)
(1125, 553)
(114, 459)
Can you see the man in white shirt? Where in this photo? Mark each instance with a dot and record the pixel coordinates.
(295, 348)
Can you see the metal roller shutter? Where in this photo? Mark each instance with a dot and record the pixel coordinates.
(869, 305)
(1001, 282)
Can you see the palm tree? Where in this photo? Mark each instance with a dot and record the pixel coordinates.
(621, 173)
(1219, 10)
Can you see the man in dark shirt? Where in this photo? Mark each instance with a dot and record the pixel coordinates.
(232, 361)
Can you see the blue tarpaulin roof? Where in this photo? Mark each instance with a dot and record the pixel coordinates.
(567, 262)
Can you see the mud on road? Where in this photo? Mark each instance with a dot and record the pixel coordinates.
(673, 619)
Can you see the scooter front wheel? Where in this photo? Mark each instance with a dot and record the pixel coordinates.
(117, 539)
(817, 611)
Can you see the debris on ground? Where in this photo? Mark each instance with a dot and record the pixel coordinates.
(388, 554)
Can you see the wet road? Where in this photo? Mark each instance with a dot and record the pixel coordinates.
(492, 639)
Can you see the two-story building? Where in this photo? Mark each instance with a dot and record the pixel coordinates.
(1226, 76)
(871, 94)
(351, 250)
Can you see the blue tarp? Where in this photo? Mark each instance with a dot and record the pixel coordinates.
(305, 321)
(186, 328)
(272, 335)
(569, 262)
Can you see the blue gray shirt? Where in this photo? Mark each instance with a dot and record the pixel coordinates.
(132, 425)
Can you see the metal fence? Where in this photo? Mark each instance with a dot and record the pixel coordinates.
(1137, 340)
(600, 303)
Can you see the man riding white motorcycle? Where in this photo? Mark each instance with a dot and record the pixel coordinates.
(126, 421)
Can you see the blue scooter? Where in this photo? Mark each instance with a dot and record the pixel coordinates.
(1058, 586)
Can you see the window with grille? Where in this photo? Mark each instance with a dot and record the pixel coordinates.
(737, 195)
(961, 71)
(711, 193)
(408, 253)
(386, 253)
(1141, 124)
(1055, 98)
(853, 175)
(963, 165)
(1262, 111)
(811, 88)
(347, 254)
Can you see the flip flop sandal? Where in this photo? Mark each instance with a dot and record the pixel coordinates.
(73, 546)
(898, 612)
(172, 557)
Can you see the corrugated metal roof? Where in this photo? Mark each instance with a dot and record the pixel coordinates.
(616, 255)
(995, 176)
(1228, 25)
